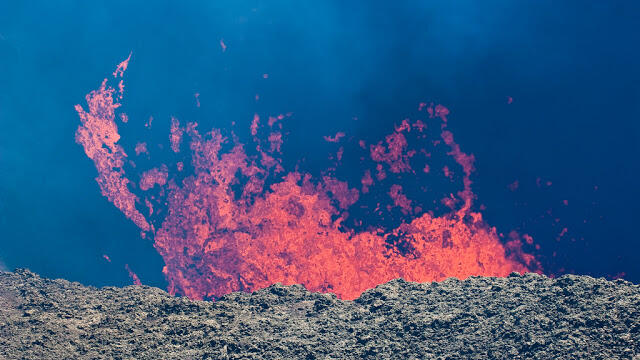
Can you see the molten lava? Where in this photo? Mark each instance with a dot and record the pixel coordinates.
(237, 220)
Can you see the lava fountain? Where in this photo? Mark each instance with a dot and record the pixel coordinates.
(233, 218)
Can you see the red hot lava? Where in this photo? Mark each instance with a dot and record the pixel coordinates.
(216, 239)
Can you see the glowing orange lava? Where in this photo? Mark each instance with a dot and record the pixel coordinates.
(132, 275)
(243, 222)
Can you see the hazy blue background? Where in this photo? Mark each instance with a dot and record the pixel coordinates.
(570, 66)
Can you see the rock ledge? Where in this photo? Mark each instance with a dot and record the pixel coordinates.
(522, 316)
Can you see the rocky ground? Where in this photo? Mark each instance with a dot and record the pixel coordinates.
(528, 317)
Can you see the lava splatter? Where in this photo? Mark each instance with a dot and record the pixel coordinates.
(241, 221)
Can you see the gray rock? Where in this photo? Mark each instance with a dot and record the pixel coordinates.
(519, 317)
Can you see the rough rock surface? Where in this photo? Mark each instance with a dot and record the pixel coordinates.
(528, 316)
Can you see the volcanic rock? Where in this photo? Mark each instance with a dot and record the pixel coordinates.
(519, 317)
